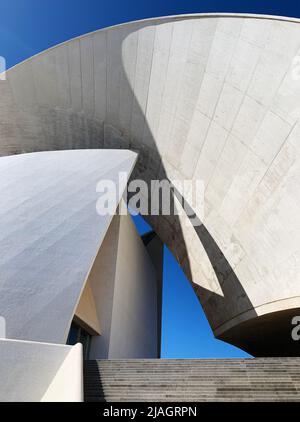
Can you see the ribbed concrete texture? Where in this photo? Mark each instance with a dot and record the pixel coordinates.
(260, 379)
(203, 97)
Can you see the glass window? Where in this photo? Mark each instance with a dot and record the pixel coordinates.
(78, 334)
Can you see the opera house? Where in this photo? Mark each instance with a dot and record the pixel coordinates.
(211, 97)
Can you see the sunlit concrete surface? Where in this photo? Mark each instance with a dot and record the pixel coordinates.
(204, 96)
(124, 287)
(50, 234)
(33, 372)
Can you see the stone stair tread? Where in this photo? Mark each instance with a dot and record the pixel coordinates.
(259, 379)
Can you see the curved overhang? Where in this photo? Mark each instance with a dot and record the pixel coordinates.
(211, 97)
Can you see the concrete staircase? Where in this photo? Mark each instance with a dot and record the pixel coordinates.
(260, 379)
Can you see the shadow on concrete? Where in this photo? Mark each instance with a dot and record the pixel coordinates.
(150, 166)
(93, 387)
(64, 128)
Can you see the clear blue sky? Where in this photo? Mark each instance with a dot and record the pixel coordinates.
(30, 26)
(185, 330)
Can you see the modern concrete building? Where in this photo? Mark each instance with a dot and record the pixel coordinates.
(209, 97)
(70, 275)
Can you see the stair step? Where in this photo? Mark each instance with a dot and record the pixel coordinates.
(260, 379)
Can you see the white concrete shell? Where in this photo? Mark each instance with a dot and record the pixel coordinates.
(50, 235)
(215, 97)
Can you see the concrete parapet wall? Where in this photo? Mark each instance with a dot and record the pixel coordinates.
(31, 371)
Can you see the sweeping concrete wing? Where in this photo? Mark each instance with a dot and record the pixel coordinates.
(50, 234)
(210, 97)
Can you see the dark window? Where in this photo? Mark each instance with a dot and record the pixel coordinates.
(78, 334)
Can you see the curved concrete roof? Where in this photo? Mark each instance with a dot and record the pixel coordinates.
(50, 235)
(206, 97)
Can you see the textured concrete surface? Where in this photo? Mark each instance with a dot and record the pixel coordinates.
(269, 379)
(67, 383)
(86, 312)
(27, 369)
(50, 233)
(124, 286)
(210, 97)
